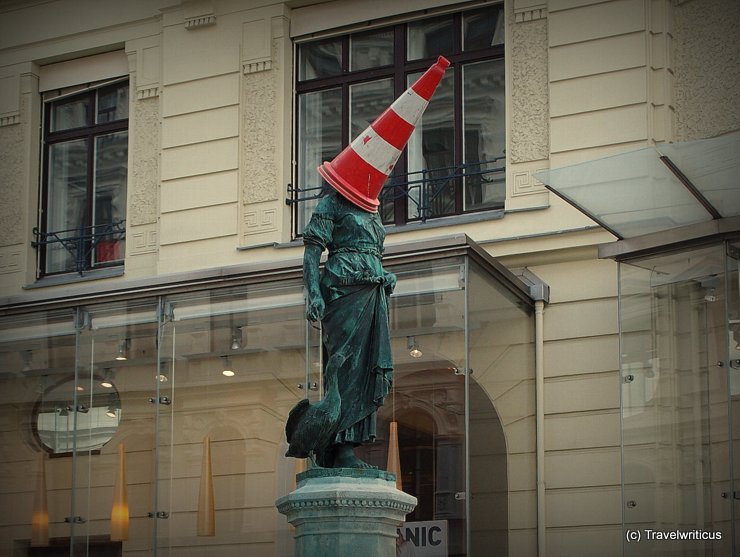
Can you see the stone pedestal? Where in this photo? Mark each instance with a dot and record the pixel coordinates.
(340, 512)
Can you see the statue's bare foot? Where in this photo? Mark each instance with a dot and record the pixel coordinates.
(345, 458)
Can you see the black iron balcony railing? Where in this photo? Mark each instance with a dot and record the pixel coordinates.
(424, 189)
(101, 240)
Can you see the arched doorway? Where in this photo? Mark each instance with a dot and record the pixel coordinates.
(429, 407)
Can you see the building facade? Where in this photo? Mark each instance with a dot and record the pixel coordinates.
(551, 395)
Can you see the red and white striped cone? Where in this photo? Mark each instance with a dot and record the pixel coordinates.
(359, 172)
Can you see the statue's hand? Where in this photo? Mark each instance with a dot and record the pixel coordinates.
(389, 280)
(315, 309)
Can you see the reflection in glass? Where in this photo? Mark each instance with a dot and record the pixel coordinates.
(484, 106)
(483, 28)
(111, 169)
(319, 140)
(431, 154)
(112, 103)
(676, 403)
(319, 59)
(69, 115)
(432, 37)
(67, 198)
(367, 101)
(371, 49)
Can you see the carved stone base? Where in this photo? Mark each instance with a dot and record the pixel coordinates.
(346, 511)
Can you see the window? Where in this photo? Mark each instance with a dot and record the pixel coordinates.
(455, 159)
(83, 206)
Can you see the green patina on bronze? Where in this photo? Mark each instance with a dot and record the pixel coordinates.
(350, 297)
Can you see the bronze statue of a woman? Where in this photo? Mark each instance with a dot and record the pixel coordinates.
(351, 295)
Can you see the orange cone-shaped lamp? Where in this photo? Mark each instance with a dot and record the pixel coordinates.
(360, 170)
(119, 510)
(206, 506)
(40, 513)
(394, 458)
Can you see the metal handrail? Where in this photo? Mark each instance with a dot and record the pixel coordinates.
(421, 187)
(80, 242)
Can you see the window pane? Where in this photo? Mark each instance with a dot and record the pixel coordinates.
(485, 134)
(111, 156)
(319, 59)
(431, 154)
(483, 28)
(319, 140)
(430, 38)
(367, 102)
(67, 199)
(112, 103)
(68, 115)
(371, 49)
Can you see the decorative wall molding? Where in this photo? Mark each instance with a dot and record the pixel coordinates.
(147, 92)
(200, 21)
(10, 119)
(254, 67)
(258, 221)
(257, 46)
(529, 10)
(143, 240)
(524, 183)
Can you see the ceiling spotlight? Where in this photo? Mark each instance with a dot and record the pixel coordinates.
(414, 350)
(228, 370)
(111, 412)
(123, 347)
(107, 381)
(236, 338)
(113, 406)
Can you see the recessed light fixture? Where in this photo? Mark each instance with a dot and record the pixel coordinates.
(123, 347)
(414, 350)
(228, 370)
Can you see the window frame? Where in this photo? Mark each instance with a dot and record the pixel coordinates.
(89, 132)
(398, 72)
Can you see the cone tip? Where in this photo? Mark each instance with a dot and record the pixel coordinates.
(443, 62)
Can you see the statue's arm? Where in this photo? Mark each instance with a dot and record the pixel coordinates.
(311, 279)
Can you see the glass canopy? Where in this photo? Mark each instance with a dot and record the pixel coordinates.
(656, 188)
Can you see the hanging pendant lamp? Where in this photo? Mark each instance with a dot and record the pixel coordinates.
(119, 518)
(206, 507)
(40, 513)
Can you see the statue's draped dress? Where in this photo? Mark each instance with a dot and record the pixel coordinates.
(356, 320)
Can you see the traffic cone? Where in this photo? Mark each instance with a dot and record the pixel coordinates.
(359, 172)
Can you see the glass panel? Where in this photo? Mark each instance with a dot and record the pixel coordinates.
(713, 166)
(431, 154)
(371, 49)
(733, 345)
(111, 168)
(367, 101)
(259, 335)
(427, 401)
(429, 38)
(112, 103)
(675, 401)
(319, 140)
(69, 114)
(633, 193)
(37, 352)
(113, 482)
(67, 200)
(319, 59)
(483, 28)
(484, 110)
(501, 355)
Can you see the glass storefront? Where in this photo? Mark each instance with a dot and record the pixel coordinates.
(680, 346)
(155, 426)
